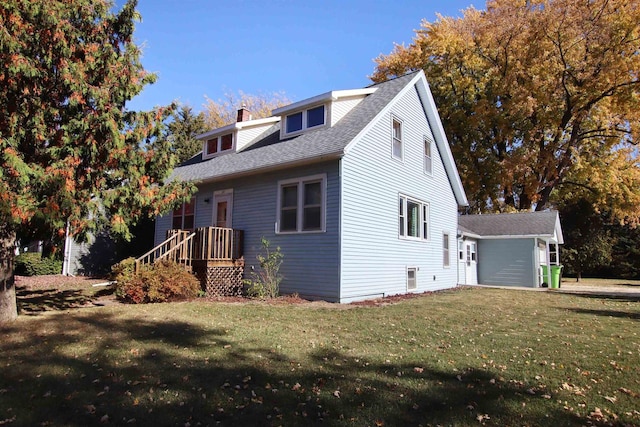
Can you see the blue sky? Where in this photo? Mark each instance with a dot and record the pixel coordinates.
(300, 48)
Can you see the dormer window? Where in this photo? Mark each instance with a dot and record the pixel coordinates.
(306, 119)
(219, 144)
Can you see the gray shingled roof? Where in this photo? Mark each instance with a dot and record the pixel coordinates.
(270, 152)
(515, 224)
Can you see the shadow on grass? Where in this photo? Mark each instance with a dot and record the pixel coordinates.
(79, 368)
(34, 302)
(604, 295)
(607, 313)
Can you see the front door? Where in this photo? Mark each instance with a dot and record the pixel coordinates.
(222, 208)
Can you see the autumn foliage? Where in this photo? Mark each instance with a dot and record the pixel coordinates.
(539, 100)
(70, 150)
(162, 282)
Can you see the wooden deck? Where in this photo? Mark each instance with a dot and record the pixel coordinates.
(206, 246)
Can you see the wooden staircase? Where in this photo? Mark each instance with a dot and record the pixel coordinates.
(209, 245)
(177, 248)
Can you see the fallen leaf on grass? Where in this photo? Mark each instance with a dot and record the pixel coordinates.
(483, 417)
(629, 392)
(597, 413)
(611, 399)
(337, 394)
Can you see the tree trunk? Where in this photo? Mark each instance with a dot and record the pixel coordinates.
(8, 307)
(578, 276)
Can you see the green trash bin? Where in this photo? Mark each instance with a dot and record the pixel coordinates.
(556, 274)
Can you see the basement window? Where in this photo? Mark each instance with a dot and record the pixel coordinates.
(412, 278)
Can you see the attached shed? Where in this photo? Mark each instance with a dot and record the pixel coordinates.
(508, 249)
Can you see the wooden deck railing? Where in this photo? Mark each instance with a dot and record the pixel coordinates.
(217, 244)
(205, 244)
(177, 248)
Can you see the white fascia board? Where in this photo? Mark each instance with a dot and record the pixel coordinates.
(319, 99)
(558, 231)
(235, 126)
(470, 235)
(431, 110)
(519, 236)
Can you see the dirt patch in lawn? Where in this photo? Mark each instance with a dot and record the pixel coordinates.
(38, 294)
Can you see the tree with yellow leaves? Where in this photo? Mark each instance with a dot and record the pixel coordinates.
(539, 100)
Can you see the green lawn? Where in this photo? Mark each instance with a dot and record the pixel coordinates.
(463, 357)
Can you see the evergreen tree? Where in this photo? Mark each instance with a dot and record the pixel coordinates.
(70, 150)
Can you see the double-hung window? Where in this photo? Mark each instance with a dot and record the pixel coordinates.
(396, 138)
(413, 217)
(428, 160)
(184, 216)
(302, 205)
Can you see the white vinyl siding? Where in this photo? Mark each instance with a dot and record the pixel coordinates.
(374, 258)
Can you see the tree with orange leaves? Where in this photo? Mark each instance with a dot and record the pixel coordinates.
(70, 150)
(539, 99)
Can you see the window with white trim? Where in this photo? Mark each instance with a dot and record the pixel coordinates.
(306, 119)
(471, 253)
(428, 161)
(461, 250)
(412, 278)
(218, 144)
(184, 216)
(396, 138)
(413, 218)
(446, 262)
(302, 205)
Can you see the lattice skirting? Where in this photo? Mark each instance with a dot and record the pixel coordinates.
(220, 281)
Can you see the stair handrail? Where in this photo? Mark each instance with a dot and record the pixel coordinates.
(177, 244)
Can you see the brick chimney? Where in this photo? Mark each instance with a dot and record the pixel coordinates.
(243, 114)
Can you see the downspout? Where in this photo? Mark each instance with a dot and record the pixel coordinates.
(67, 252)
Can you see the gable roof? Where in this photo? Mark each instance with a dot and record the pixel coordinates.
(523, 224)
(271, 153)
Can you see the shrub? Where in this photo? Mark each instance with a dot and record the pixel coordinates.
(124, 270)
(266, 282)
(33, 264)
(162, 282)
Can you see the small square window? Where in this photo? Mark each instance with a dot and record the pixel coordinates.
(212, 146)
(226, 142)
(294, 122)
(315, 116)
